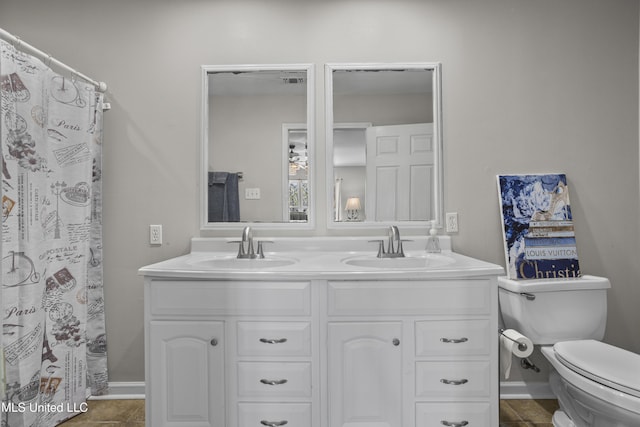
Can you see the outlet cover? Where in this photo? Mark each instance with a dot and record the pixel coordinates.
(155, 234)
(451, 222)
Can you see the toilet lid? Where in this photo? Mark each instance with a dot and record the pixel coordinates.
(608, 365)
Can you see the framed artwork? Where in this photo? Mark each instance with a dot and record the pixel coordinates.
(537, 227)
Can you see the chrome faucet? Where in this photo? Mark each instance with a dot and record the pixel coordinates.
(247, 238)
(246, 245)
(394, 245)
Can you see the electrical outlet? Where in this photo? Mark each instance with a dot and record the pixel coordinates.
(451, 222)
(155, 234)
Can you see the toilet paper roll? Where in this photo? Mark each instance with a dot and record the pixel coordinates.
(513, 343)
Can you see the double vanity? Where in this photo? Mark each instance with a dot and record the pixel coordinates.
(321, 332)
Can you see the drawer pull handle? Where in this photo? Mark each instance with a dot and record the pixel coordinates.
(454, 340)
(273, 382)
(273, 423)
(454, 382)
(454, 424)
(214, 342)
(273, 341)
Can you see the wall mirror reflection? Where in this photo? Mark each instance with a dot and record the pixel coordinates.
(384, 144)
(257, 155)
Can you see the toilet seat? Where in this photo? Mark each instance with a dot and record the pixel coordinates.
(603, 363)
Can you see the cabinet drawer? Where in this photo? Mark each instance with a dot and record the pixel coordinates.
(264, 379)
(230, 298)
(274, 339)
(409, 297)
(266, 414)
(453, 414)
(453, 379)
(453, 337)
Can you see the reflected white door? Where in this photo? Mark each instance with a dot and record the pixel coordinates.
(400, 172)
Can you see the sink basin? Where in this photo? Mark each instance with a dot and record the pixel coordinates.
(233, 263)
(409, 262)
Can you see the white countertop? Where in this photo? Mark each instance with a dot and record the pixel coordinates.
(317, 258)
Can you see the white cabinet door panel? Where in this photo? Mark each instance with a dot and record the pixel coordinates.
(188, 372)
(365, 374)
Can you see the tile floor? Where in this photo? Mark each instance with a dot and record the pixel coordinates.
(130, 413)
(527, 413)
(110, 413)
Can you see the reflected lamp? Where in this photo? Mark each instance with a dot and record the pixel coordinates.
(353, 207)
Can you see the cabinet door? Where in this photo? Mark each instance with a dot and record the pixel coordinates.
(186, 374)
(365, 374)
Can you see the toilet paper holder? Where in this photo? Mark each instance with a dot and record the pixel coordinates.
(521, 346)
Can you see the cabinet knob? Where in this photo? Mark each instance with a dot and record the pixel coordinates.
(454, 424)
(396, 342)
(214, 342)
(273, 423)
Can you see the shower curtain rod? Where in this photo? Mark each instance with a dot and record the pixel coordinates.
(48, 59)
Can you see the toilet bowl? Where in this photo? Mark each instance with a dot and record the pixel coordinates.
(597, 384)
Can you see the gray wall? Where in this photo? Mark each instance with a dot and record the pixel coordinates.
(528, 86)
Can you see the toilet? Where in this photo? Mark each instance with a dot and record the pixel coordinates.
(596, 384)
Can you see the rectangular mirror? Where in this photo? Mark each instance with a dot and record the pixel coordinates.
(257, 146)
(384, 144)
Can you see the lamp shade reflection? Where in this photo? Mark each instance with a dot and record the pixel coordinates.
(353, 207)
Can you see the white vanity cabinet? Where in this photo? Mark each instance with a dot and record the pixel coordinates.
(412, 353)
(187, 368)
(365, 373)
(227, 353)
(321, 348)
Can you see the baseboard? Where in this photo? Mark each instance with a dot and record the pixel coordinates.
(508, 390)
(522, 390)
(123, 391)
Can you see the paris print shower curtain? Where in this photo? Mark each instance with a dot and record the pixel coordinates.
(54, 345)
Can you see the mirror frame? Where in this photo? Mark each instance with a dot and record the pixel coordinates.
(438, 183)
(204, 146)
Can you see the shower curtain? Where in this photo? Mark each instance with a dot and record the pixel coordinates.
(54, 342)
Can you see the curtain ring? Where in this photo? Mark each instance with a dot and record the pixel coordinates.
(17, 43)
(49, 59)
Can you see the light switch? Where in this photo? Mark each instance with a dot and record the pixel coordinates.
(252, 193)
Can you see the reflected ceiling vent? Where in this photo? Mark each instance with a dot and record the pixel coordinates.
(292, 80)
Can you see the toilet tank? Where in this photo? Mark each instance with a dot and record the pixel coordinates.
(552, 310)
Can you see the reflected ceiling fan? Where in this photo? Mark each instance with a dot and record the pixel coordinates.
(297, 160)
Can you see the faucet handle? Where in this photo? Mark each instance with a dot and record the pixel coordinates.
(260, 252)
(381, 250)
(240, 247)
(400, 249)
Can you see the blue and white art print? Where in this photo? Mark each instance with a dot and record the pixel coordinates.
(538, 232)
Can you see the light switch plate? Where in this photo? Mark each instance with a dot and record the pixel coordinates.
(252, 194)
